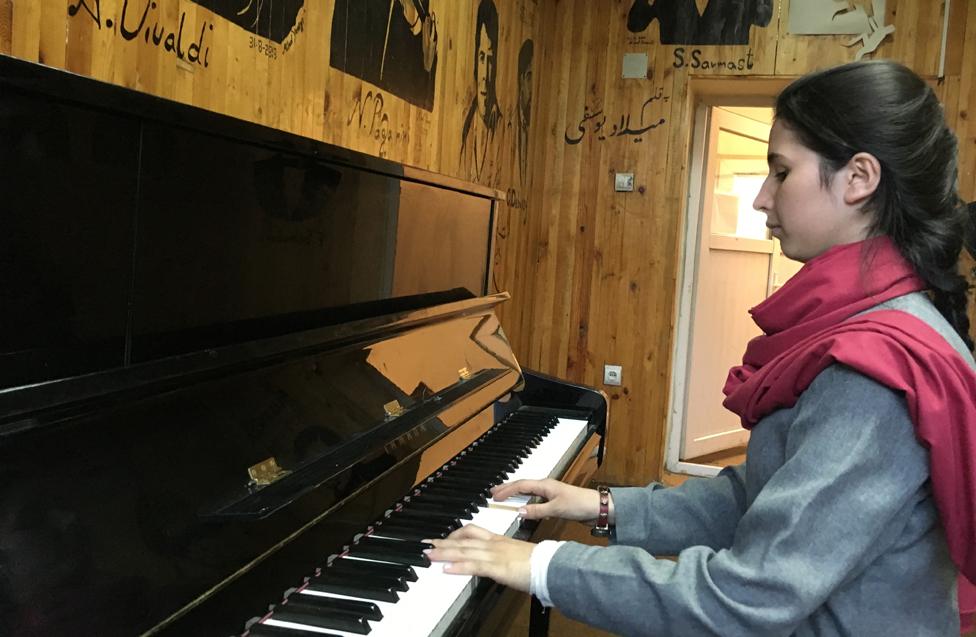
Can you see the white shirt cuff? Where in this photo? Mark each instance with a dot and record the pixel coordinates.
(539, 569)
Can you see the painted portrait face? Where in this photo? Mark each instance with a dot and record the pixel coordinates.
(485, 71)
(525, 93)
(807, 216)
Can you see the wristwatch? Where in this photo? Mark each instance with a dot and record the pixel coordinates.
(602, 528)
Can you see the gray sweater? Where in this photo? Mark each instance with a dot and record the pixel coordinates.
(829, 528)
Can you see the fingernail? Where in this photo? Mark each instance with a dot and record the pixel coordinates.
(428, 551)
(447, 565)
(523, 511)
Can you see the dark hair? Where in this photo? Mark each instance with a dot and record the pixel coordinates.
(885, 109)
(525, 57)
(487, 18)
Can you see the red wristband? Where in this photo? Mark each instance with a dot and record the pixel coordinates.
(602, 528)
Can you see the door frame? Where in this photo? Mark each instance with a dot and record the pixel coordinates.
(703, 93)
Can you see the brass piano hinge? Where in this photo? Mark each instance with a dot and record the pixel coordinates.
(393, 409)
(464, 373)
(266, 472)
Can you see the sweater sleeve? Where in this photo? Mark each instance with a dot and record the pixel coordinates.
(699, 512)
(851, 467)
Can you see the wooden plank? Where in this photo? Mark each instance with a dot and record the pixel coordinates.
(26, 31)
(6, 25)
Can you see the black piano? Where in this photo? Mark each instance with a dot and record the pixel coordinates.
(243, 374)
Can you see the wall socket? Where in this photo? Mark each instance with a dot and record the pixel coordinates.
(612, 374)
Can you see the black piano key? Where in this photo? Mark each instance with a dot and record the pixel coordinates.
(451, 522)
(521, 447)
(514, 453)
(514, 439)
(390, 553)
(344, 564)
(323, 619)
(369, 610)
(461, 485)
(458, 481)
(378, 580)
(442, 498)
(352, 587)
(429, 490)
(419, 524)
(526, 427)
(394, 544)
(402, 533)
(435, 508)
(481, 467)
(484, 461)
(263, 630)
(403, 530)
(485, 476)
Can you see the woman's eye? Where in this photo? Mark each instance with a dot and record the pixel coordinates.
(781, 175)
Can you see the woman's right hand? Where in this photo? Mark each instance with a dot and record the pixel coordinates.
(562, 500)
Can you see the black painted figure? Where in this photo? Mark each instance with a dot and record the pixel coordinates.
(389, 43)
(723, 21)
(478, 150)
(269, 19)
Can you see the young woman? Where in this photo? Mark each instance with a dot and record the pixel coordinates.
(855, 512)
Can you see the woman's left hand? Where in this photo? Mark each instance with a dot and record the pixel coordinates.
(471, 550)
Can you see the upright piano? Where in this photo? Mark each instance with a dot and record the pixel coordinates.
(244, 373)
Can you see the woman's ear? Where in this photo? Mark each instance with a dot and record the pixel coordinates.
(863, 177)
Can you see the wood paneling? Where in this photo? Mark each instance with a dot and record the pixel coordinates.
(592, 272)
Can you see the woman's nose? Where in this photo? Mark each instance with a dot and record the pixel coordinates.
(763, 200)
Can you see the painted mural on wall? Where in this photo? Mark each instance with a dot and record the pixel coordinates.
(863, 18)
(680, 22)
(142, 20)
(391, 44)
(270, 19)
(479, 158)
(520, 118)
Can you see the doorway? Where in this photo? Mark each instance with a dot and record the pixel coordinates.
(731, 264)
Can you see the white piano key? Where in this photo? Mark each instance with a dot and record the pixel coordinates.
(427, 608)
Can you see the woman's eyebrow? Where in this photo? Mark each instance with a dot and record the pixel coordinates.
(771, 157)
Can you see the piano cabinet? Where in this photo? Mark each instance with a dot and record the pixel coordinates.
(243, 373)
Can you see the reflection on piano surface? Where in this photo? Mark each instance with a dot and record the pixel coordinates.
(274, 375)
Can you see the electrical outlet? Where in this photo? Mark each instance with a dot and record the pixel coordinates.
(612, 374)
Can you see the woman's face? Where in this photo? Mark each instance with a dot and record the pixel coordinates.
(807, 217)
(484, 72)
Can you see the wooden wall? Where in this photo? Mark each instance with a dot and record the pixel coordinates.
(592, 271)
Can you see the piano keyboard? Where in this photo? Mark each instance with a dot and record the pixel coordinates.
(383, 584)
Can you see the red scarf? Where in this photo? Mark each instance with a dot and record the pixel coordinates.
(807, 326)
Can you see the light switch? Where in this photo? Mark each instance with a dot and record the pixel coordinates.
(634, 66)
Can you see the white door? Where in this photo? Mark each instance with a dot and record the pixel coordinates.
(737, 266)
